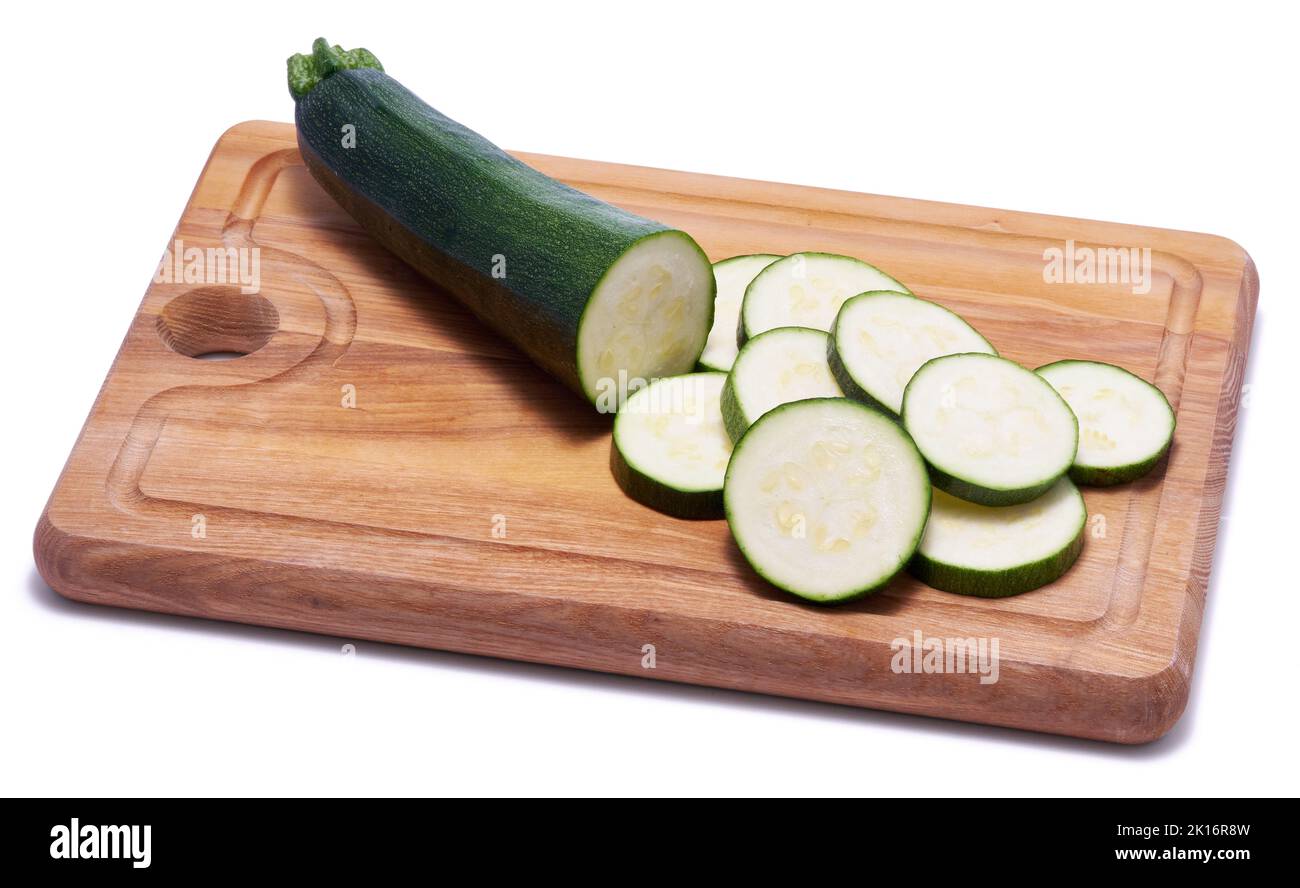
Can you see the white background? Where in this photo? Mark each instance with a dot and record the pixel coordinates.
(1177, 116)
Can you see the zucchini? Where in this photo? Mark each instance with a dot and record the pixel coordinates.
(806, 290)
(1125, 423)
(732, 276)
(776, 367)
(600, 298)
(992, 552)
(881, 338)
(670, 450)
(993, 432)
(826, 498)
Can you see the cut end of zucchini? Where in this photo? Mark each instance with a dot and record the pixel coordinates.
(648, 317)
(992, 552)
(1125, 423)
(306, 71)
(826, 498)
(670, 451)
(993, 432)
(807, 290)
(777, 367)
(882, 338)
(732, 276)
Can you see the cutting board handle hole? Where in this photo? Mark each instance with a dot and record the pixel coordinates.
(217, 323)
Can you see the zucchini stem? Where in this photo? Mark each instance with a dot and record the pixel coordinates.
(307, 70)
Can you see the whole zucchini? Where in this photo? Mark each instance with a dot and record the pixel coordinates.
(599, 297)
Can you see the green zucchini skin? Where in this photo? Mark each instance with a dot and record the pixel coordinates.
(978, 493)
(1021, 563)
(996, 583)
(733, 417)
(1089, 476)
(447, 201)
(690, 504)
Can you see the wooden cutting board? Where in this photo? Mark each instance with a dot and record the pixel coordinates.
(380, 466)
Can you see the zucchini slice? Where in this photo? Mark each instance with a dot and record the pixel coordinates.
(732, 276)
(670, 450)
(881, 338)
(992, 551)
(1125, 422)
(826, 498)
(993, 432)
(776, 367)
(806, 290)
(598, 297)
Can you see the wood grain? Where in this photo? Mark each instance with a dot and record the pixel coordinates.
(377, 521)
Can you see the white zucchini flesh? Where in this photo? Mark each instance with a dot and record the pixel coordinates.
(993, 432)
(732, 276)
(826, 498)
(648, 317)
(777, 367)
(993, 551)
(807, 290)
(882, 338)
(670, 448)
(1125, 422)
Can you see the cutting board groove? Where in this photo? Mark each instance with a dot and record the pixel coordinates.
(380, 466)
